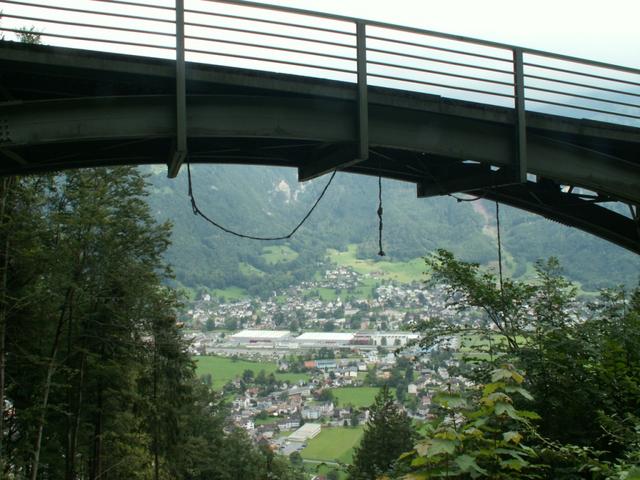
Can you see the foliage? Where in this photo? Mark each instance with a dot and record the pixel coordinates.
(582, 364)
(480, 436)
(387, 434)
(95, 377)
(341, 227)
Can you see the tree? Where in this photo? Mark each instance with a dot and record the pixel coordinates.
(387, 434)
(296, 459)
(326, 395)
(210, 325)
(480, 435)
(582, 364)
(247, 376)
(333, 474)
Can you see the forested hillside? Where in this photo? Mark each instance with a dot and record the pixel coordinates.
(95, 378)
(270, 202)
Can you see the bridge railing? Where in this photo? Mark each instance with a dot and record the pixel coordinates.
(279, 39)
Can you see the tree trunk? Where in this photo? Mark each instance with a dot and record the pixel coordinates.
(156, 469)
(47, 385)
(74, 427)
(7, 184)
(96, 464)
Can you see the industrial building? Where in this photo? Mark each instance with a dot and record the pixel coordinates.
(324, 339)
(393, 339)
(262, 338)
(305, 432)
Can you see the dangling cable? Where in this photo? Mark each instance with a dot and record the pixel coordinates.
(380, 250)
(499, 246)
(198, 212)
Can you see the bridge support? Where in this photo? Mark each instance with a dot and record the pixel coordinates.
(180, 152)
(520, 169)
(327, 163)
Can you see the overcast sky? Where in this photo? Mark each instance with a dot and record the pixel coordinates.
(607, 31)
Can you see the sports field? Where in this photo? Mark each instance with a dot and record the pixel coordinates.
(333, 444)
(223, 369)
(355, 396)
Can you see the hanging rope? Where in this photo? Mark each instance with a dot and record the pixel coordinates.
(380, 250)
(198, 212)
(499, 246)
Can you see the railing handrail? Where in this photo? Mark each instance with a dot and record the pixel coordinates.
(244, 33)
(431, 33)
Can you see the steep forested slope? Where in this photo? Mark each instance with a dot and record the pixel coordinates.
(270, 201)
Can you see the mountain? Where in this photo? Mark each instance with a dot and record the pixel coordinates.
(269, 201)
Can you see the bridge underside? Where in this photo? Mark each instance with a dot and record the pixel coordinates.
(72, 109)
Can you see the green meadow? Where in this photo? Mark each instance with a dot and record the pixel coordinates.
(278, 253)
(333, 444)
(223, 369)
(355, 396)
(403, 272)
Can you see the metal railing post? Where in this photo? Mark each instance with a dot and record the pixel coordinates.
(180, 152)
(520, 169)
(363, 101)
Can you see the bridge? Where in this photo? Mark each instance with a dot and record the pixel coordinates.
(117, 82)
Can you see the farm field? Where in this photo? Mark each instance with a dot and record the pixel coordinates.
(224, 369)
(403, 272)
(230, 294)
(355, 396)
(333, 444)
(278, 253)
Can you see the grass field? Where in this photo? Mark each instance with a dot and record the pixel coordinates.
(230, 293)
(278, 253)
(250, 270)
(403, 272)
(266, 421)
(356, 396)
(224, 369)
(333, 444)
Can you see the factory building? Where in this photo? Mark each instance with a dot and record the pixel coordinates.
(261, 338)
(324, 339)
(393, 339)
(305, 432)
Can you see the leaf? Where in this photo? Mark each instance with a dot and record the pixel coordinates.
(512, 436)
(441, 446)
(467, 464)
(504, 373)
(528, 414)
(514, 464)
(449, 400)
(498, 397)
(633, 474)
(492, 387)
(418, 462)
(502, 408)
(423, 447)
(517, 377)
(520, 390)
(500, 374)
(511, 452)
(406, 454)
(415, 476)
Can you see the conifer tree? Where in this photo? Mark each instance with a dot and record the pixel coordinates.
(387, 434)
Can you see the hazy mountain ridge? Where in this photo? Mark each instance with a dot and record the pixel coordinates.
(269, 201)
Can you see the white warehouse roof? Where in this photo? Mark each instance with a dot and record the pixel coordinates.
(325, 337)
(306, 431)
(262, 334)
